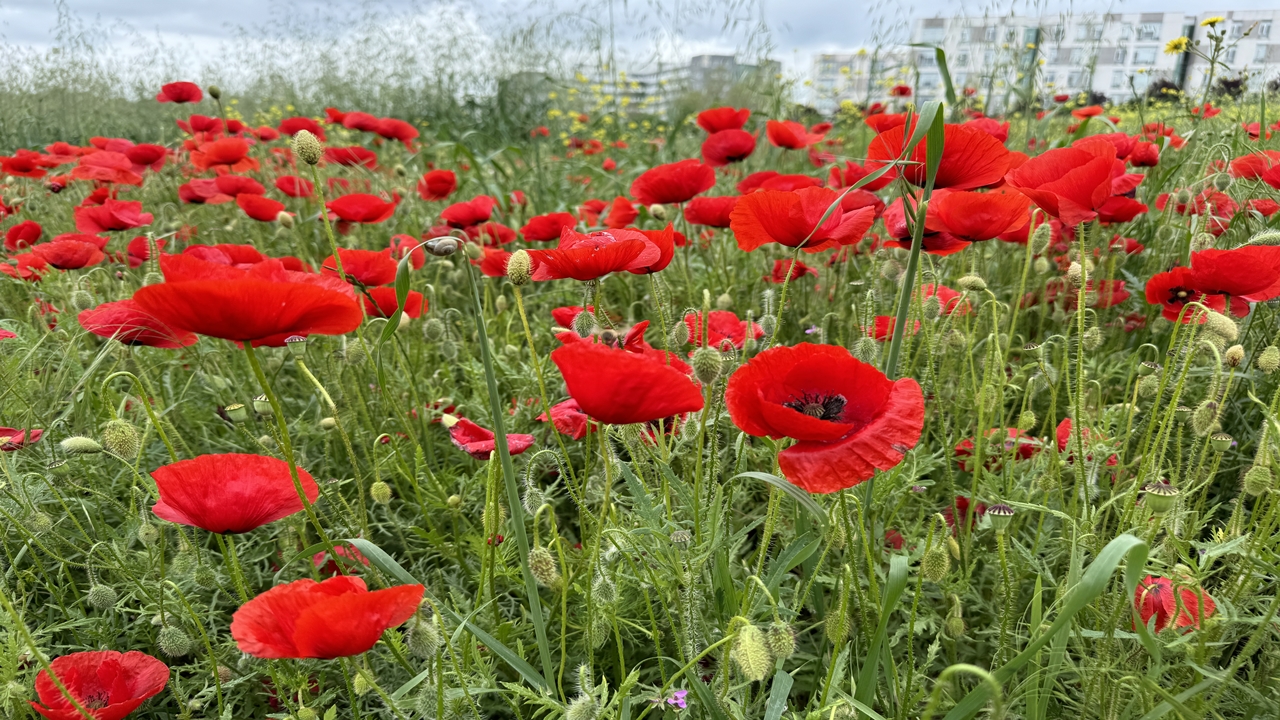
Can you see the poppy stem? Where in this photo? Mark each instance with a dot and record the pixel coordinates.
(146, 405)
(328, 227)
(542, 390)
(908, 284)
(782, 298)
(39, 656)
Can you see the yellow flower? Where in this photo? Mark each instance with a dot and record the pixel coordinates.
(552, 96)
(1176, 46)
(1211, 21)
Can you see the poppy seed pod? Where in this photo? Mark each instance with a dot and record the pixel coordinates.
(1233, 356)
(1220, 442)
(1000, 516)
(261, 405)
(237, 412)
(80, 445)
(214, 91)
(173, 642)
(520, 268)
(1160, 497)
(307, 147)
(1040, 238)
(1268, 360)
(1257, 480)
(1146, 367)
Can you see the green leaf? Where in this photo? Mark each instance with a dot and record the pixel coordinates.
(893, 590)
(705, 697)
(797, 552)
(941, 57)
(778, 693)
(804, 499)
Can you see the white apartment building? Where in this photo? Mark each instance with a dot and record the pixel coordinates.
(860, 77)
(1117, 55)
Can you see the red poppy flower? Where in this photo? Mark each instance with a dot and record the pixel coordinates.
(727, 146)
(976, 216)
(965, 510)
(111, 215)
(621, 213)
(381, 302)
(722, 327)
(994, 128)
(900, 91)
(202, 191)
(882, 328)
(1253, 165)
(848, 418)
(772, 180)
(673, 183)
(710, 211)
(23, 163)
(352, 156)
(180, 92)
(544, 228)
(1068, 183)
(330, 568)
(146, 157)
(792, 219)
(1250, 273)
(1172, 290)
(1119, 209)
(109, 684)
(6, 334)
(437, 185)
(491, 233)
(107, 167)
(479, 442)
(494, 262)
(564, 316)
(971, 158)
(260, 207)
(367, 267)
(68, 254)
(950, 299)
(1106, 293)
(397, 129)
(790, 135)
(262, 304)
(124, 321)
(27, 266)
(226, 254)
(568, 418)
(1266, 207)
(1021, 444)
(401, 244)
(1144, 154)
(1156, 597)
(665, 240)
(24, 234)
(1086, 112)
(357, 120)
(363, 208)
(783, 268)
(229, 493)
(593, 255)
(12, 439)
(472, 212)
(335, 618)
(720, 119)
(622, 386)
(852, 173)
(228, 153)
(291, 126)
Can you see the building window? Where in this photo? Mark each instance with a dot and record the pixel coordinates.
(1144, 56)
(1117, 79)
(1264, 29)
(1126, 31)
(990, 35)
(1260, 54)
(1122, 54)
(1029, 35)
(928, 81)
(1229, 56)
(966, 34)
(1149, 31)
(988, 57)
(932, 34)
(926, 59)
(1237, 29)
(1075, 79)
(962, 59)
(1076, 57)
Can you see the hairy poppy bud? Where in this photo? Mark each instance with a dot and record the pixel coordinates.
(183, 562)
(1220, 442)
(1040, 238)
(1160, 497)
(473, 251)
(583, 323)
(867, 350)
(583, 707)
(224, 674)
(543, 567)
(306, 713)
(82, 300)
(931, 308)
(454, 501)
(520, 268)
(1204, 419)
(1026, 420)
(328, 423)
(781, 640)
(658, 212)
(307, 147)
(953, 547)
(954, 624)
(173, 642)
(604, 591)
(1182, 197)
(101, 597)
(1222, 326)
(148, 534)
(1221, 182)
(380, 492)
(935, 564)
(1149, 386)
(706, 365)
(1075, 274)
(285, 219)
(957, 339)
(724, 301)
(424, 637)
(80, 445)
(354, 354)
(1268, 360)
(1092, 339)
(768, 324)
(972, 283)
(751, 653)
(1202, 241)
(1040, 265)
(215, 92)
(205, 577)
(1257, 480)
(533, 499)
(433, 329)
(360, 684)
(120, 438)
(1233, 356)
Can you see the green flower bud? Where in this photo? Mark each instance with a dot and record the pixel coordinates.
(1258, 480)
(1222, 326)
(583, 707)
(148, 534)
(173, 642)
(1204, 419)
(768, 324)
(520, 268)
(658, 212)
(205, 577)
(781, 640)
(724, 302)
(751, 653)
(80, 445)
(306, 713)
(1000, 515)
(81, 300)
(424, 637)
(1026, 420)
(380, 492)
(583, 323)
(307, 148)
(1092, 339)
(543, 567)
(1233, 356)
(1040, 238)
(867, 350)
(935, 563)
(1040, 265)
(101, 597)
(706, 365)
(215, 92)
(972, 283)
(121, 438)
(1268, 361)
(931, 308)
(604, 591)
(360, 684)
(1221, 182)
(433, 328)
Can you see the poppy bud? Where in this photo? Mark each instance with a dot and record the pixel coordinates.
(237, 413)
(583, 707)
(1040, 265)
(1000, 516)
(328, 423)
(520, 268)
(215, 92)
(706, 365)
(658, 212)
(932, 308)
(724, 301)
(173, 642)
(1266, 237)
(101, 597)
(121, 439)
(285, 219)
(543, 567)
(1202, 241)
(224, 674)
(1040, 238)
(307, 147)
(1221, 182)
(953, 547)
(433, 329)
(935, 564)
(454, 501)
(424, 637)
(972, 283)
(768, 324)
(1204, 419)
(1160, 497)
(1233, 356)
(148, 534)
(80, 445)
(604, 591)
(380, 492)
(82, 300)
(1026, 420)
(954, 624)
(1182, 197)
(1257, 480)
(957, 339)
(1149, 386)
(306, 713)
(205, 577)
(781, 640)
(1092, 339)
(751, 653)
(266, 441)
(1220, 442)
(262, 405)
(355, 354)
(449, 350)
(473, 251)
(866, 349)
(183, 563)
(1268, 360)
(583, 323)
(500, 304)
(360, 684)
(1075, 274)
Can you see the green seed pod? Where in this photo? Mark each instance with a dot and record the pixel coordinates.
(1000, 515)
(101, 597)
(215, 92)
(935, 563)
(1258, 480)
(205, 577)
(380, 492)
(237, 412)
(954, 627)
(543, 567)
(424, 637)
(306, 713)
(121, 438)
(751, 653)
(1026, 420)
(328, 423)
(39, 522)
(82, 300)
(354, 355)
(183, 563)
(307, 148)
(867, 350)
(1160, 497)
(1268, 360)
(584, 323)
(724, 302)
(449, 350)
(1220, 442)
(781, 640)
(1182, 197)
(80, 445)
(953, 547)
(658, 212)
(1205, 418)
(433, 328)
(285, 219)
(173, 642)
(706, 365)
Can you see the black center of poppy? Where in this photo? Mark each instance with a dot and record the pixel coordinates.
(822, 407)
(1180, 296)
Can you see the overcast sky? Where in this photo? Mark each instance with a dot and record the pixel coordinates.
(797, 28)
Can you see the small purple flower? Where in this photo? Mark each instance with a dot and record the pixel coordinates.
(677, 699)
(812, 329)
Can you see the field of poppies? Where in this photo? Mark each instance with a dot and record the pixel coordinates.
(910, 414)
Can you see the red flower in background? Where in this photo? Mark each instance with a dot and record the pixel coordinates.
(772, 180)
(621, 213)
(1156, 597)
(673, 183)
(363, 208)
(229, 493)
(564, 316)
(963, 510)
(720, 119)
(231, 154)
(352, 156)
(367, 267)
(262, 304)
(722, 326)
(544, 228)
(710, 211)
(260, 207)
(622, 386)
(437, 185)
(472, 212)
(111, 215)
(1068, 183)
(479, 442)
(792, 219)
(68, 254)
(12, 439)
(783, 268)
(971, 157)
(1253, 165)
(976, 216)
(124, 321)
(791, 135)
(307, 619)
(291, 126)
(882, 328)
(381, 302)
(24, 234)
(594, 255)
(1172, 290)
(728, 146)
(396, 129)
(852, 173)
(848, 419)
(110, 684)
(568, 418)
(494, 262)
(179, 92)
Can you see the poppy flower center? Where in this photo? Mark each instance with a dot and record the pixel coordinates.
(822, 407)
(97, 701)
